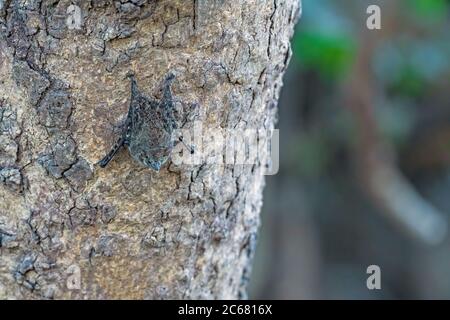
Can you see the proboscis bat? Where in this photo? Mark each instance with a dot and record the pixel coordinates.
(149, 128)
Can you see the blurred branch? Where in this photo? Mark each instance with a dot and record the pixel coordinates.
(386, 185)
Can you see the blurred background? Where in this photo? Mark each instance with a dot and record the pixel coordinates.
(364, 176)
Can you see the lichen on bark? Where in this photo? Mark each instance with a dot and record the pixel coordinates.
(185, 232)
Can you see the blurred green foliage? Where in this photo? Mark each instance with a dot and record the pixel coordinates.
(329, 54)
(432, 10)
(409, 81)
(323, 41)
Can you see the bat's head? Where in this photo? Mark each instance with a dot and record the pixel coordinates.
(153, 158)
(154, 164)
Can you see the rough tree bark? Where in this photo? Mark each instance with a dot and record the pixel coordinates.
(127, 231)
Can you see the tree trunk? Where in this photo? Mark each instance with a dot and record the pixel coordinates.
(70, 229)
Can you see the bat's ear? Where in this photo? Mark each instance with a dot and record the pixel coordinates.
(130, 75)
(170, 77)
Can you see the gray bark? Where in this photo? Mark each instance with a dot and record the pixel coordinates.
(127, 231)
